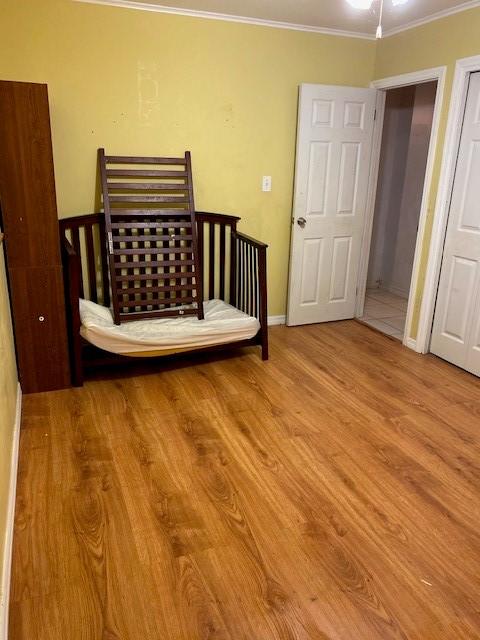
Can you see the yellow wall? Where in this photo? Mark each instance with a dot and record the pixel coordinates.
(141, 82)
(8, 394)
(150, 83)
(435, 44)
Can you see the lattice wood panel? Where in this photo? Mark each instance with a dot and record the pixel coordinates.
(152, 245)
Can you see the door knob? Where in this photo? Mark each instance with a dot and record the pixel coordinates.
(301, 222)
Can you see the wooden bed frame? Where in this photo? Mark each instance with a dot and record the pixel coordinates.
(234, 270)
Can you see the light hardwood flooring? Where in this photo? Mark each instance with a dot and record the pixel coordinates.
(331, 493)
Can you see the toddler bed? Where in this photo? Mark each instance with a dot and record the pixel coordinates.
(233, 266)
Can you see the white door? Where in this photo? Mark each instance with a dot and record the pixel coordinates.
(456, 326)
(334, 144)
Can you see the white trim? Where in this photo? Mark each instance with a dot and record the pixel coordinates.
(397, 291)
(273, 320)
(7, 552)
(406, 79)
(370, 205)
(210, 15)
(277, 24)
(463, 69)
(422, 221)
(416, 77)
(438, 15)
(410, 343)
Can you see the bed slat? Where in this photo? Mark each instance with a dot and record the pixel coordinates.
(145, 173)
(146, 186)
(144, 160)
(92, 276)
(211, 262)
(154, 277)
(152, 263)
(222, 263)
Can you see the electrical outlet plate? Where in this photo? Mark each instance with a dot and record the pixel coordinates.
(267, 183)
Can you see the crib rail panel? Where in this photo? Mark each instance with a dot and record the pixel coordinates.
(251, 281)
(86, 234)
(234, 264)
(250, 275)
(169, 199)
(215, 233)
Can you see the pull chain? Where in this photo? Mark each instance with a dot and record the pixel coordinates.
(379, 28)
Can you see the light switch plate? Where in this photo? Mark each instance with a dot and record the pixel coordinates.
(267, 183)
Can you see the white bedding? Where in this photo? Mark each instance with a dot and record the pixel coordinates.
(223, 323)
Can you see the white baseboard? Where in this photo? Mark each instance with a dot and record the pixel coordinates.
(272, 320)
(7, 552)
(391, 288)
(410, 343)
(397, 291)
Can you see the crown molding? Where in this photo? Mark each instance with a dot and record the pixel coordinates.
(209, 15)
(146, 6)
(471, 4)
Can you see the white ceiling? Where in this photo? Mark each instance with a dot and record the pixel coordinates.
(316, 14)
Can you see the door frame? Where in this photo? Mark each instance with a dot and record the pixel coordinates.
(382, 85)
(463, 68)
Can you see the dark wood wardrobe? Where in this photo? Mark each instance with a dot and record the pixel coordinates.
(32, 247)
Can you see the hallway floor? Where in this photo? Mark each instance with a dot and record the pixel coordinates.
(386, 312)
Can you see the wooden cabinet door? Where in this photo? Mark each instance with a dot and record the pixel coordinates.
(38, 309)
(27, 184)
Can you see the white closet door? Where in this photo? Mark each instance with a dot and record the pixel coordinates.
(334, 144)
(456, 326)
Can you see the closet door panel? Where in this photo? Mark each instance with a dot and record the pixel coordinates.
(27, 184)
(455, 334)
(40, 328)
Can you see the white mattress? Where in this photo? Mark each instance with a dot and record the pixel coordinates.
(223, 323)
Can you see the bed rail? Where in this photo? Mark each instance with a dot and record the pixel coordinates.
(72, 268)
(251, 281)
(215, 246)
(234, 269)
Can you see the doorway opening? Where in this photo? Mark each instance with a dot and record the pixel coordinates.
(405, 144)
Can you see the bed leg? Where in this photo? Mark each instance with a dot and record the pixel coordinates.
(264, 344)
(77, 364)
(77, 377)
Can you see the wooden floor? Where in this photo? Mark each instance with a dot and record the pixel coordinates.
(332, 493)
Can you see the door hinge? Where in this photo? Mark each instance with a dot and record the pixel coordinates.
(110, 242)
(375, 114)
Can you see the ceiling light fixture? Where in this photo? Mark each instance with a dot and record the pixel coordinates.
(360, 4)
(367, 4)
